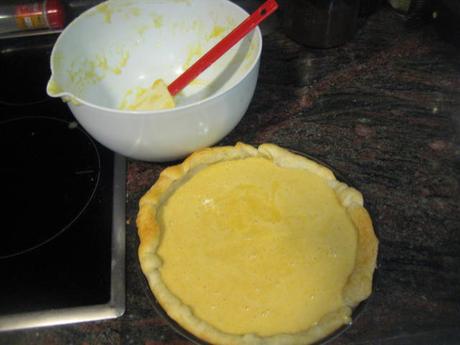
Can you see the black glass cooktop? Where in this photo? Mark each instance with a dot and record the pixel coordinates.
(52, 175)
(24, 69)
(62, 214)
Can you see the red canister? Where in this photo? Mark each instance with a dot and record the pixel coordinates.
(47, 14)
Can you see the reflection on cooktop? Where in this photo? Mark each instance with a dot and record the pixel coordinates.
(48, 179)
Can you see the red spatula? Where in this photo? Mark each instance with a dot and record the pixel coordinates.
(267, 8)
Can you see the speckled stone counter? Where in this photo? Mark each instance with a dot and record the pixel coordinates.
(384, 110)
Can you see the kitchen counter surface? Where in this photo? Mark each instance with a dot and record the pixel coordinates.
(384, 110)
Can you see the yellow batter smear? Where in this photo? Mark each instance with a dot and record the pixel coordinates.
(155, 97)
(53, 88)
(194, 53)
(106, 11)
(255, 248)
(216, 32)
(157, 20)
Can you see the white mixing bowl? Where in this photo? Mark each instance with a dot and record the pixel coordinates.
(104, 56)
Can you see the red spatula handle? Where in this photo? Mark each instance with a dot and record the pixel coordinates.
(267, 8)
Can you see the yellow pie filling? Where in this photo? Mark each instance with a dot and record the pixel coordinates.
(255, 247)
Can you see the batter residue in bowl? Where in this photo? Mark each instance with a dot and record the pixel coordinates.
(154, 97)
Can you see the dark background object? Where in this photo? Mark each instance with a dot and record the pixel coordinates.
(367, 7)
(323, 23)
(420, 13)
(448, 20)
(76, 7)
(445, 14)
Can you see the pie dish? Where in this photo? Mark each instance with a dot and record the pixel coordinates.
(245, 245)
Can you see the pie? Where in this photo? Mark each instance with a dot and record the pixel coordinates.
(245, 245)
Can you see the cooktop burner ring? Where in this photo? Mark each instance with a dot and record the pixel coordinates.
(71, 179)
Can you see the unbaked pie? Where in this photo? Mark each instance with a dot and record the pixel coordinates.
(244, 245)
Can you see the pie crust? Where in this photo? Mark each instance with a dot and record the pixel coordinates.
(357, 287)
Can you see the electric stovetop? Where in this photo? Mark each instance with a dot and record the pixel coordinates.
(62, 211)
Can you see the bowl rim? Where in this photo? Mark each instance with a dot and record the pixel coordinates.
(79, 101)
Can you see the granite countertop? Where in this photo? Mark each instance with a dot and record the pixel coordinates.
(384, 110)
